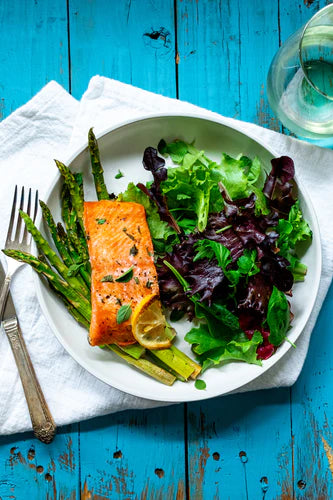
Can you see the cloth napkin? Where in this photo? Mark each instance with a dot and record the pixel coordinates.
(40, 131)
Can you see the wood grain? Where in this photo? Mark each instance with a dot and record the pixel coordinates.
(140, 455)
(33, 50)
(132, 41)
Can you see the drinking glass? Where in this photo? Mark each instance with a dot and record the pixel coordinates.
(300, 80)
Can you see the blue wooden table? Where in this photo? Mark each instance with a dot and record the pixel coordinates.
(274, 444)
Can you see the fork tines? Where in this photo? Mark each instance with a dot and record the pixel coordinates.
(18, 237)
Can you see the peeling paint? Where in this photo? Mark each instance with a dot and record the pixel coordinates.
(66, 460)
(329, 453)
(264, 116)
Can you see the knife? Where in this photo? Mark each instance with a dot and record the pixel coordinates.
(42, 422)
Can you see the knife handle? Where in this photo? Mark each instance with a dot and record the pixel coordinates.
(42, 422)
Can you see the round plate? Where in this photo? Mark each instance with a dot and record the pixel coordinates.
(122, 148)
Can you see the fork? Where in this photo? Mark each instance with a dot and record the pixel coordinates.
(42, 422)
(16, 242)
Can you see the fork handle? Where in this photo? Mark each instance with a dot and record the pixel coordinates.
(4, 293)
(42, 422)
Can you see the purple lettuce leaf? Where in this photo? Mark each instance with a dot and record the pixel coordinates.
(156, 165)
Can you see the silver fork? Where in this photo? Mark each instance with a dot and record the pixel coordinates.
(41, 418)
(16, 241)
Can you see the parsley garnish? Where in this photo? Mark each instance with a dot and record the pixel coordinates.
(119, 175)
(134, 251)
(107, 279)
(126, 276)
(124, 313)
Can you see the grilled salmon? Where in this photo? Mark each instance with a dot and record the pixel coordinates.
(119, 243)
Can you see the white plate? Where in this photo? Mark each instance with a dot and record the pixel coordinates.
(122, 148)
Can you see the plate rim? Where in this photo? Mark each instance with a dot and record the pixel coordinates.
(200, 395)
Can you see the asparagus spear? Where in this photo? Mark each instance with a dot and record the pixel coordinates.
(74, 191)
(96, 166)
(51, 255)
(146, 366)
(70, 308)
(177, 361)
(59, 243)
(81, 235)
(134, 350)
(73, 297)
(76, 258)
(76, 235)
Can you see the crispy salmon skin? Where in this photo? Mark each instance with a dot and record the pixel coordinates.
(118, 239)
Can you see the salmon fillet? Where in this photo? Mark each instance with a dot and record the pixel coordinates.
(118, 238)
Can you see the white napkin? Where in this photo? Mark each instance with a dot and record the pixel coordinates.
(38, 132)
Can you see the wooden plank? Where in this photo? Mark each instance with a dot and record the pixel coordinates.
(224, 54)
(312, 414)
(131, 41)
(134, 455)
(30, 469)
(293, 15)
(33, 51)
(239, 446)
(312, 411)
(259, 40)
(208, 54)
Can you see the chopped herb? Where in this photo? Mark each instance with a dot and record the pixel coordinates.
(87, 237)
(118, 301)
(134, 251)
(149, 252)
(126, 276)
(124, 313)
(223, 229)
(129, 235)
(119, 175)
(107, 279)
(139, 229)
(136, 279)
(73, 269)
(149, 284)
(200, 384)
(101, 221)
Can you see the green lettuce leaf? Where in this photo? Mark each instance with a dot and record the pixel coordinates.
(164, 237)
(292, 232)
(278, 317)
(193, 185)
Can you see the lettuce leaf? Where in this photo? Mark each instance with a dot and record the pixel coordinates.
(193, 186)
(164, 237)
(292, 231)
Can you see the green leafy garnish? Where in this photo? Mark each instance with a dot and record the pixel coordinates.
(133, 250)
(124, 313)
(126, 276)
(107, 279)
(119, 175)
(200, 384)
(101, 221)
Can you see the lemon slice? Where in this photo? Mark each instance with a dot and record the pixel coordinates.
(149, 324)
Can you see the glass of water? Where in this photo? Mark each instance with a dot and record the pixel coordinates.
(300, 80)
